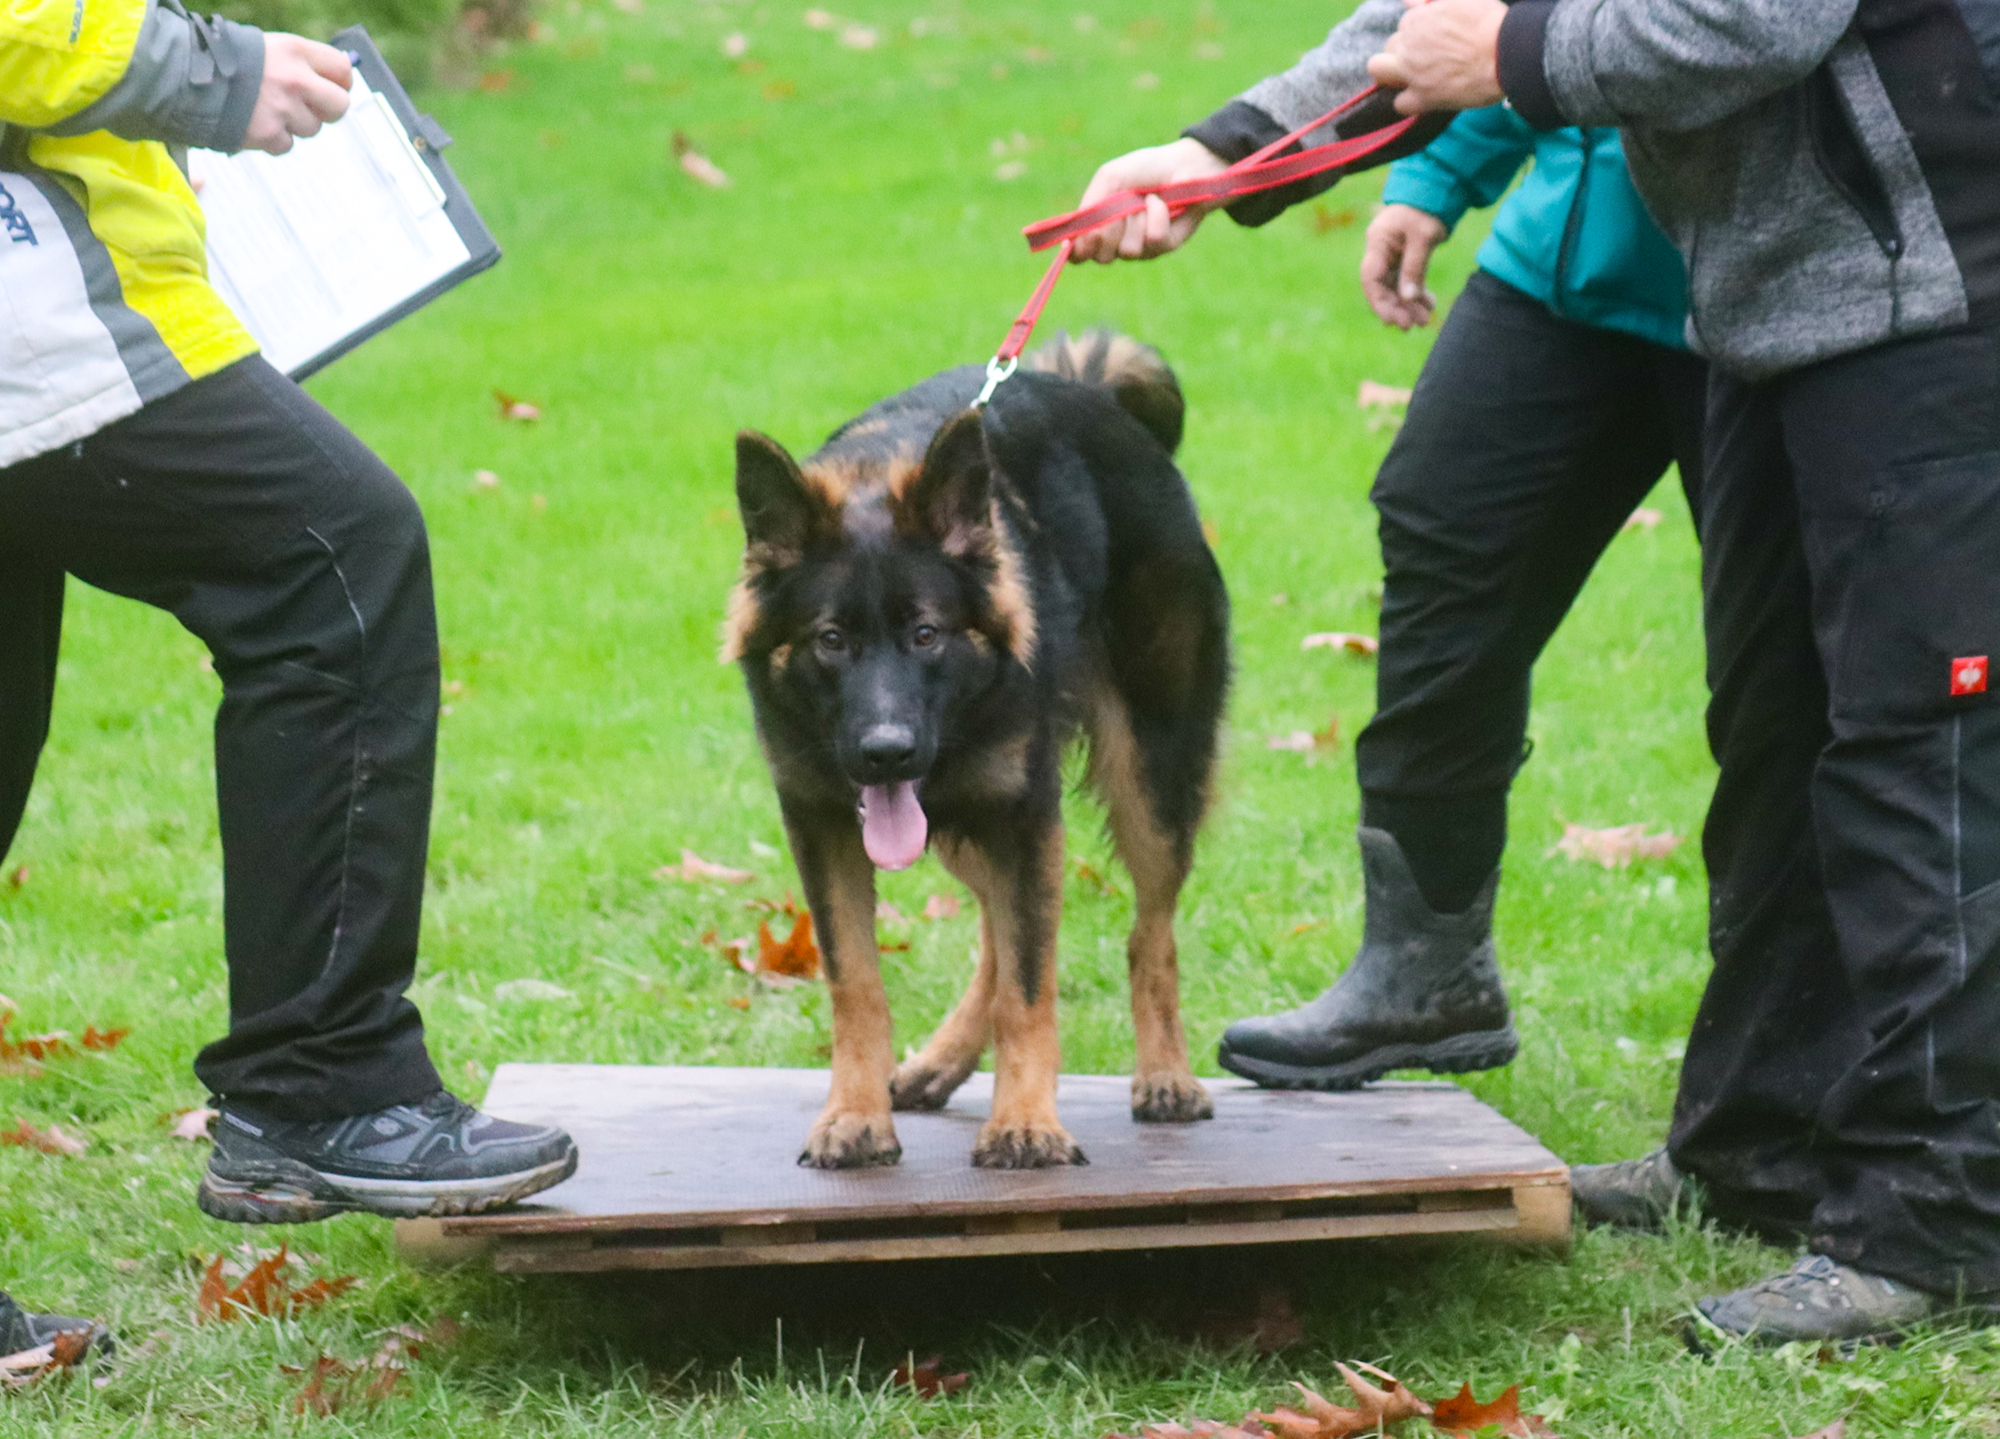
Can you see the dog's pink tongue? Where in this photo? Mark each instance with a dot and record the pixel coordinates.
(893, 827)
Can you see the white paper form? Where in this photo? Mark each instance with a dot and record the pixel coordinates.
(312, 245)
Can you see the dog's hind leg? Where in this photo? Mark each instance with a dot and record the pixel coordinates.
(1164, 1088)
(855, 1129)
(928, 1078)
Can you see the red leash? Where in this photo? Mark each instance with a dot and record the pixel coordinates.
(1248, 176)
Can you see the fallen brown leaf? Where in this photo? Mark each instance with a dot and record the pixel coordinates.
(1366, 646)
(694, 867)
(796, 958)
(1310, 743)
(1616, 847)
(495, 82)
(1462, 1414)
(266, 1289)
(17, 879)
(192, 1124)
(1374, 395)
(49, 1141)
(65, 1351)
(1644, 518)
(1091, 875)
(100, 1039)
(738, 1001)
(513, 407)
(926, 1377)
(696, 165)
(1325, 222)
(941, 906)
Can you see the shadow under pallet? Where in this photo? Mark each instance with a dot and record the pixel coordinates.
(695, 1168)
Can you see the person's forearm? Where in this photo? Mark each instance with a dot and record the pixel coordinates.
(1671, 64)
(1330, 72)
(190, 82)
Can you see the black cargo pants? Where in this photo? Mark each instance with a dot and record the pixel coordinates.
(1529, 441)
(1843, 1077)
(257, 520)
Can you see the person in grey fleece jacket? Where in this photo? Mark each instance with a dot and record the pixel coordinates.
(1830, 171)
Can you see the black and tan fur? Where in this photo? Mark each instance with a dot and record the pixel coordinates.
(995, 582)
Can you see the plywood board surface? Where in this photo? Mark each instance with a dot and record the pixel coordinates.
(682, 1147)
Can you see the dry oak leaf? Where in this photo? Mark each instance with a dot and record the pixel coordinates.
(1366, 646)
(927, 1378)
(1616, 847)
(1310, 743)
(95, 1038)
(941, 906)
(266, 1290)
(192, 1124)
(65, 1351)
(796, 958)
(1462, 1414)
(333, 1384)
(694, 867)
(49, 1141)
(17, 880)
(696, 165)
(513, 407)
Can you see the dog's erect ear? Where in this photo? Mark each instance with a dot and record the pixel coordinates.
(951, 499)
(779, 512)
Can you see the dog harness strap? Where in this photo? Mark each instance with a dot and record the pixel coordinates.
(1248, 176)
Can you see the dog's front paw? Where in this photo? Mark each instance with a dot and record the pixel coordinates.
(1170, 1099)
(845, 1139)
(922, 1084)
(1025, 1146)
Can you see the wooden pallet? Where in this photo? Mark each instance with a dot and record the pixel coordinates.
(691, 1168)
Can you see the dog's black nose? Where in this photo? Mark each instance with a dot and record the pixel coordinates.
(888, 746)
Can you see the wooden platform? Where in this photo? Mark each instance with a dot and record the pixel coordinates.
(688, 1168)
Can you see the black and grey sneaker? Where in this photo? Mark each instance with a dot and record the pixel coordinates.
(1631, 1193)
(1424, 992)
(1819, 1301)
(411, 1161)
(21, 1331)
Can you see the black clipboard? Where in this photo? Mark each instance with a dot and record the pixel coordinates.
(258, 219)
(428, 137)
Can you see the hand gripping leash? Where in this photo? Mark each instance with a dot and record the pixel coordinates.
(1248, 176)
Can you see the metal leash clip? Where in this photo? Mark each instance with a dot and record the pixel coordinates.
(997, 371)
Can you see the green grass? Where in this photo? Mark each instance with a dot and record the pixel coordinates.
(866, 243)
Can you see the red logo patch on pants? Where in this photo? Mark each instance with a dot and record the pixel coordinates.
(1968, 675)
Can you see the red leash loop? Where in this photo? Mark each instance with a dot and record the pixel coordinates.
(1248, 176)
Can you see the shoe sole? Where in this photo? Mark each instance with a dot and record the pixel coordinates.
(290, 1193)
(1460, 1054)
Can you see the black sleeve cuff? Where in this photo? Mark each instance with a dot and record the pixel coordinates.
(1239, 129)
(1523, 36)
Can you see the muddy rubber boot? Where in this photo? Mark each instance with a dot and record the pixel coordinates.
(1423, 993)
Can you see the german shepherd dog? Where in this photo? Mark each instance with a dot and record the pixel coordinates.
(930, 607)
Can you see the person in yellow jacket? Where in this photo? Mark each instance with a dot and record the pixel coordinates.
(148, 450)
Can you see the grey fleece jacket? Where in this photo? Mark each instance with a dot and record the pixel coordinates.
(1830, 169)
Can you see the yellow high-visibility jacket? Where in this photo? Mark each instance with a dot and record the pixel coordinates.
(104, 296)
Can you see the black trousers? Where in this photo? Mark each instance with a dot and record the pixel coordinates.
(257, 520)
(1843, 1076)
(1528, 442)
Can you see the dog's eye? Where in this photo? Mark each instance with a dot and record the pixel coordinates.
(832, 640)
(924, 636)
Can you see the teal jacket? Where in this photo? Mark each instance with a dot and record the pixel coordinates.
(1575, 235)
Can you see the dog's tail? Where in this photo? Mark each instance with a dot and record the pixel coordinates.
(1134, 373)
